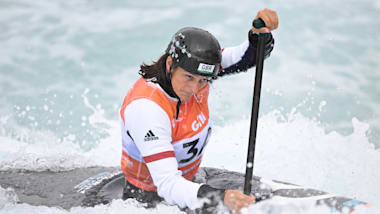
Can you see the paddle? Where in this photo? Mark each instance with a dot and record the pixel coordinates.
(257, 23)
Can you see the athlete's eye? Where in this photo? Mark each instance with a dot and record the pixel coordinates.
(204, 80)
(188, 77)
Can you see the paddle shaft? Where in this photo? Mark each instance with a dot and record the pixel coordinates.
(255, 108)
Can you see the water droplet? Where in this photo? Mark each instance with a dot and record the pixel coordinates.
(321, 105)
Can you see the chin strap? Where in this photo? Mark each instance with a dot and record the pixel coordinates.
(169, 81)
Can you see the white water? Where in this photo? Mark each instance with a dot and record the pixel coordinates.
(65, 67)
(296, 150)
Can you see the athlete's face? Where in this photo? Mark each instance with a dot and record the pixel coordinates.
(186, 84)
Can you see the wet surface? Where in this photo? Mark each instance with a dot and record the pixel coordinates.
(101, 185)
(53, 189)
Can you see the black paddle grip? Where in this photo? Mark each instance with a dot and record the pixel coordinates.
(258, 23)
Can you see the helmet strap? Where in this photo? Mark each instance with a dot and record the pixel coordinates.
(169, 81)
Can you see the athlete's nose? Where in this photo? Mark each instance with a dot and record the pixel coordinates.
(194, 86)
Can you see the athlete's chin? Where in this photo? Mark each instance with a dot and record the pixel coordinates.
(185, 97)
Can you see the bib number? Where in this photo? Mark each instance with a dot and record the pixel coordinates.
(192, 149)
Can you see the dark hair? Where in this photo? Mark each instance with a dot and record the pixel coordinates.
(155, 72)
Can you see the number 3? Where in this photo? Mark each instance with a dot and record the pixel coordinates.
(193, 150)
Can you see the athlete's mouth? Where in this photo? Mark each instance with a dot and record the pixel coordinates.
(186, 95)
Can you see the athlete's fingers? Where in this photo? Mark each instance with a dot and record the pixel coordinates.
(265, 29)
(263, 14)
(236, 200)
(272, 15)
(270, 19)
(273, 19)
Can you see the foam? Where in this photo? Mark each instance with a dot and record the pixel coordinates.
(291, 146)
(7, 206)
(296, 149)
(276, 206)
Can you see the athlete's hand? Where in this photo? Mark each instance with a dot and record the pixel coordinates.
(236, 200)
(270, 19)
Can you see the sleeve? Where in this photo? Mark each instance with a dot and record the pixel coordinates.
(241, 58)
(150, 127)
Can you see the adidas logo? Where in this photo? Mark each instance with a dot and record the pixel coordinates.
(150, 136)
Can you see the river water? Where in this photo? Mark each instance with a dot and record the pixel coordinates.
(65, 67)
